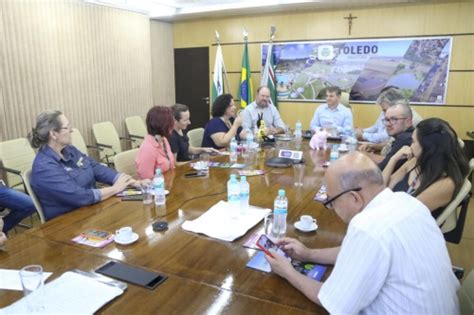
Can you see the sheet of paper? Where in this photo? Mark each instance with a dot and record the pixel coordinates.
(222, 223)
(10, 279)
(70, 293)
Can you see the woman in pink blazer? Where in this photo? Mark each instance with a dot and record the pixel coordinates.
(155, 151)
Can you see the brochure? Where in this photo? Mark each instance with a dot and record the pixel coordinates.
(249, 173)
(321, 194)
(94, 238)
(311, 270)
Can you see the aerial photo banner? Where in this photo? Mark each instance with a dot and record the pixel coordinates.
(417, 66)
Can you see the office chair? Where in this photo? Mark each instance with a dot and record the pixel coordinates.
(125, 162)
(136, 129)
(195, 137)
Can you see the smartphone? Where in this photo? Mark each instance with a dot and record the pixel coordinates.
(265, 244)
(132, 274)
(194, 174)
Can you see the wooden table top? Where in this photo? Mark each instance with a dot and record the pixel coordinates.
(208, 270)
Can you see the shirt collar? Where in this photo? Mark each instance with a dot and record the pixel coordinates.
(335, 109)
(379, 200)
(48, 151)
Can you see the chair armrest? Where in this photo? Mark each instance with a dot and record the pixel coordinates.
(94, 147)
(127, 139)
(137, 137)
(10, 170)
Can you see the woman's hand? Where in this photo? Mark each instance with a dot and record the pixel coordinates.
(122, 182)
(404, 153)
(210, 150)
(237, 121)
(140, 183)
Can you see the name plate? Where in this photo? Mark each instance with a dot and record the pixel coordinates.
(289, 154)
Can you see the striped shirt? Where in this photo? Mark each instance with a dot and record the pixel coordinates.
(393, 260)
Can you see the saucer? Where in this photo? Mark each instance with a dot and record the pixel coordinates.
(132, 240)
(298, 226)
(343, 149)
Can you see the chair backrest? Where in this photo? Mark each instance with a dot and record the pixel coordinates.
(466, 295)
(345, 99)
(195, 137)
(105, 133)
(125, 162)
(78, 141)
(16, 154)
(27, 179)
(449, 217)
(136, 127)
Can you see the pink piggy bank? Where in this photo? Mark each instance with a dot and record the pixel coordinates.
(319, 140)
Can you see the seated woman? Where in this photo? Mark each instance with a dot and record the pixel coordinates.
(179, 141)
(436, 165)
(155, 151)
(62, 177)
(224, 125)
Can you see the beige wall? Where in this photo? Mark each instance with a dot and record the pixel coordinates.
(162, 60)
(405, 20)
(91, 62)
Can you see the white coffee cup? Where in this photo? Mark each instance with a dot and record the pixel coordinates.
(124, 234)
(307, 221)
(343, 147)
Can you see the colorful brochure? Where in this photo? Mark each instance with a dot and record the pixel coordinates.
(94, 238)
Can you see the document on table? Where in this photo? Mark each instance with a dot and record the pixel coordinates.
(10, 279)
(222, 223)
(70, 293)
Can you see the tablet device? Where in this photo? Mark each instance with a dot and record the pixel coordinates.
(132, 274)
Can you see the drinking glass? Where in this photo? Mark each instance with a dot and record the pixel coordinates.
(32, 282)
(147, 193)
(204, 159)
(298, 170)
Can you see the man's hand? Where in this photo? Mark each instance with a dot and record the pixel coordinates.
(359, 133)
(295, 249)
(366, 147)
(281, 265)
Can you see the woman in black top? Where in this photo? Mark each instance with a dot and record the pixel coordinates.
(179, 141)
(436, 165)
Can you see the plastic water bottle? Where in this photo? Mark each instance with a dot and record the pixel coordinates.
(233, 195)
(334, 155)
(250, 140)
(244, 193)
(298, 134)
(280, 211)
(159, 188)
(233, 151)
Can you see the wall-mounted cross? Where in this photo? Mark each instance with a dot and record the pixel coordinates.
(349, 19)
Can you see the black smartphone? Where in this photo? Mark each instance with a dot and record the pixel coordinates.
(194, 174)
(131, 274)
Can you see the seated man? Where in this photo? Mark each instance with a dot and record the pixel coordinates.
(393, 259)
(377, 134)
(332, 114)
(398, 122)
(262, 108)
(20, 205)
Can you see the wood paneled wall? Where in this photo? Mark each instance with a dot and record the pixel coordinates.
(390, 21)
(91, 62)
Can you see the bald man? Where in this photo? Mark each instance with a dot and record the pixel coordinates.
(393, 258)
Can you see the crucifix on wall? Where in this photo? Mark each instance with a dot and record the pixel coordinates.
(349, 19)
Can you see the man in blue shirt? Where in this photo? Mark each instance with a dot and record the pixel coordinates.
(332, 114)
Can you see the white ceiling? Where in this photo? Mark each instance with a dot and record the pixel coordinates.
(174, 10)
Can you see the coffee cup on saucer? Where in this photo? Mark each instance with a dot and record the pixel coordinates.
(306, 224)
(124, 235)
(343, 147)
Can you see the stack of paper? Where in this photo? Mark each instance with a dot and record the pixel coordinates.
(11, 279)
(70, 293)
(224, 223)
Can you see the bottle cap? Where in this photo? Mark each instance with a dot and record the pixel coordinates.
(158, 171)
(243, 178)
(233, 177)
(281, 193)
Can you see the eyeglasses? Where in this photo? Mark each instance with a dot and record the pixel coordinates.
(392, 120)
(66, 128)
(329, 203)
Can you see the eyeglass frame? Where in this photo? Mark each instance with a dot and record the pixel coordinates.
(392, 120)
(328, 203)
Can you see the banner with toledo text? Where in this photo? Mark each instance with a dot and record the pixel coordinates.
(417, 66)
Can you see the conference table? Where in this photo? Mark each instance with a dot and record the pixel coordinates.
(205, 276)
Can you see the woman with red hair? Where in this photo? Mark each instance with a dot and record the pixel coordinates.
(155, 151)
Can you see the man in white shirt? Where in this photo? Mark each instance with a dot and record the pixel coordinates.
(393, 259)
(262, 108)
(332, 114)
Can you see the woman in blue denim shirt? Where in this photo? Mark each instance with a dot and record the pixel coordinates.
(64, 178)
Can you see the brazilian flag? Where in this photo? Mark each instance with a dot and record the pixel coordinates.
(246, 87)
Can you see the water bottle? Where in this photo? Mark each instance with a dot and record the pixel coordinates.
(298, 134)
(233, 151)
(159, 188)
(334, 155)
(250, 140)
(233, 194)
(244, 193)
(280, 211)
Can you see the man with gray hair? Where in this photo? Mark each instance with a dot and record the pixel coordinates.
(393, 258)
(377, 132)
